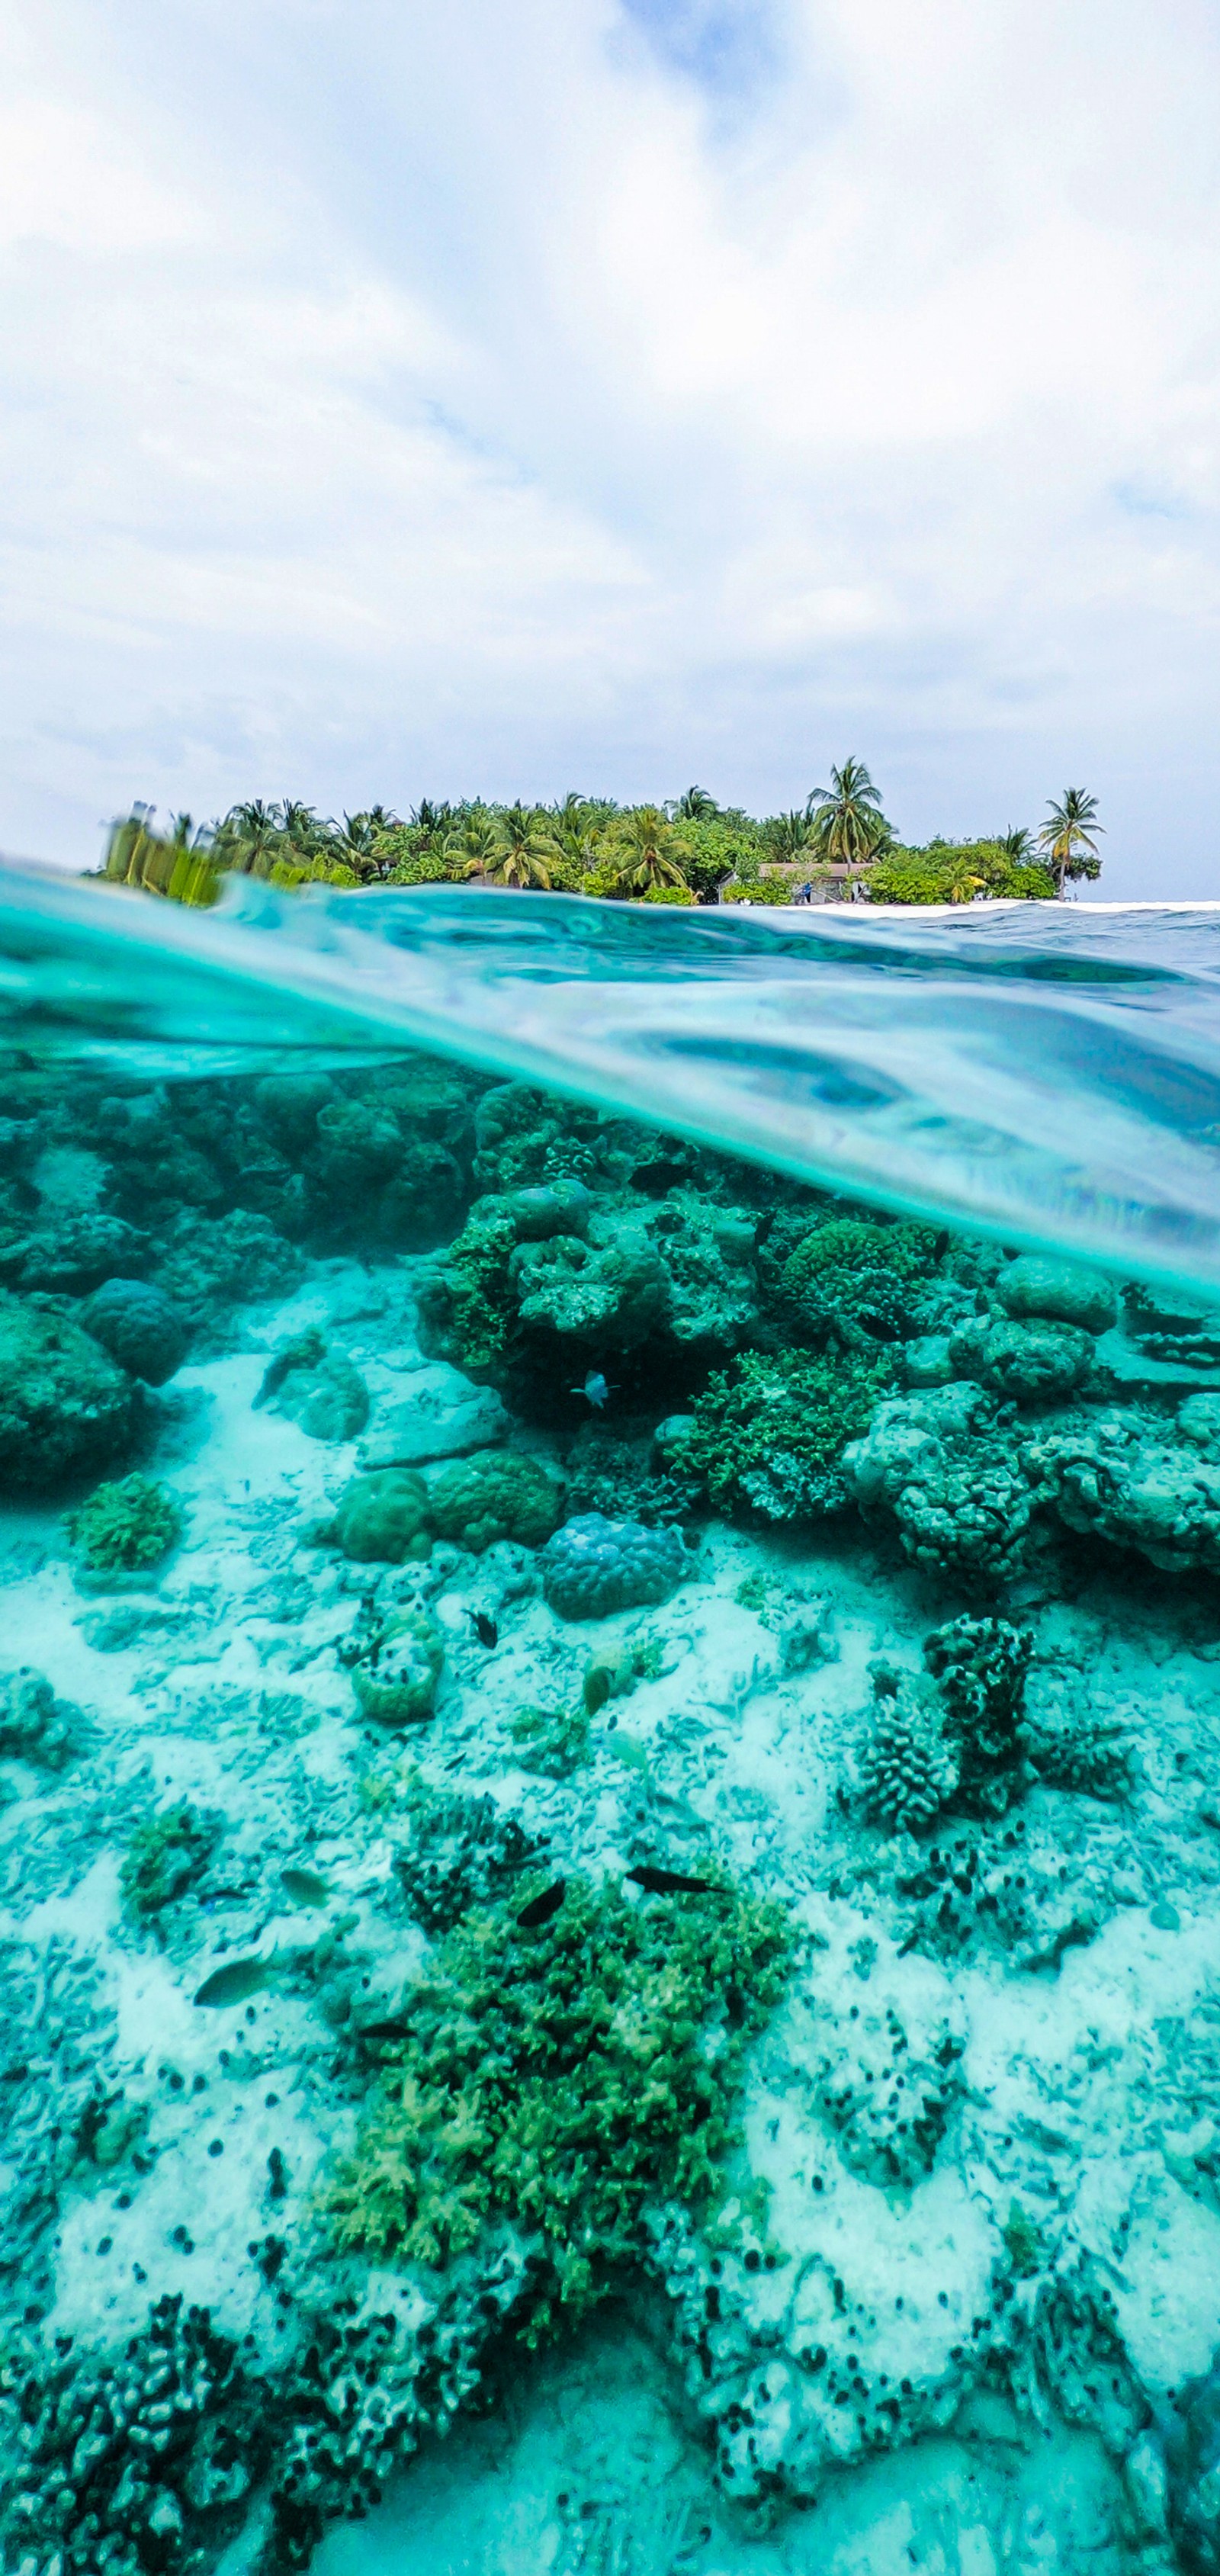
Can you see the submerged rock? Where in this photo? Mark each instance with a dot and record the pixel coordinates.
(65, 1406)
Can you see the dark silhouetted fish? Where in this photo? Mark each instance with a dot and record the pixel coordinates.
(305, 1887)
(669, 1882)
(541, 1908)
(235, 1982)
(396, 2027)
(484, 1627)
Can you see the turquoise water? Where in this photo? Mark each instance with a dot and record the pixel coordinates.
(609, 1738)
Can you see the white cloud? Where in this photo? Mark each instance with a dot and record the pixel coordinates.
(584, 393)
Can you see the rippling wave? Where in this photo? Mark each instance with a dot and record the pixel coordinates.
(1052, 1075)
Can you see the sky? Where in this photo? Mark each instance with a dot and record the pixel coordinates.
(441, 399)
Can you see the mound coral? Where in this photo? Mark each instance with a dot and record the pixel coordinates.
(568, 2078)
(1032, 1363)
(383, 1518)
(126, 1528)
(594, 1566)
(1062, 1292)
(860, 1281)
(64, 1406)
(496, 1494)
(768, 1435)
(395, 1677)
(139, 1326)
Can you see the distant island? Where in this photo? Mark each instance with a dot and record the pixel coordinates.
(837, 847)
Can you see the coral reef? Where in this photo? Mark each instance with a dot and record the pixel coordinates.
(139, 1326)
(768, 1436)
(126, 1528)
(496, 1494)
(167, 1853)
(563, 2078)
(859, 1282)
(383, 1517)
(395, 1676)
(594, 1566)
(64, 1406)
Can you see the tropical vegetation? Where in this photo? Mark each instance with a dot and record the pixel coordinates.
(690, 849)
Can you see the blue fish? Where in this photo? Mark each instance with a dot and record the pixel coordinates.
(595, 1389)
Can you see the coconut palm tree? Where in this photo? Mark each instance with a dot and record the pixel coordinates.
(647, 851)
(250, 838)
(696, 806)
(848, 824)
(1069, 837)
(789, 835)
(474, 847)
(1017, 844)
(517, 853)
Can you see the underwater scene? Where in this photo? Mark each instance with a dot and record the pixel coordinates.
(609, 1740)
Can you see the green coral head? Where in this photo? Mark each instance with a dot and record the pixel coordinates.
(127, 1527)
(395, 1678)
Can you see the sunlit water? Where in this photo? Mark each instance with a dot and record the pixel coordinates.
(609, 1738)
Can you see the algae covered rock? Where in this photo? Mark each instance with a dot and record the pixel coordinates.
(34, 1725)
(496, 1495)
(594, 1566)
(384, 1517)
(316, 1388)
(79, 1252)
(65, 1406)
(140, 1327)
(1062, 1292)
(1032, 1363)
(126, 1528)
(441, 1415)
(395, 1678)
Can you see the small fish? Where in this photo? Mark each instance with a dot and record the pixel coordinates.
(235, 1982)
(305, 1887)
(541, 1908)
(595, 1390)
(484, 1627)
(397, 2027)
(669, 1882)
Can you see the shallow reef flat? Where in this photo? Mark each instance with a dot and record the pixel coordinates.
(609, 1850)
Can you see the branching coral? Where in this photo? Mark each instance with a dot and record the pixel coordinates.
(567, 2078)
(126, 1528)
(769, 1433)
(908, 1769)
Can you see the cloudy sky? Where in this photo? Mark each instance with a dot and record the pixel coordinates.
(449, 397)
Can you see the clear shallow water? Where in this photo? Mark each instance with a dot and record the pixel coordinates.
(1053, 1074)
(609, 1740)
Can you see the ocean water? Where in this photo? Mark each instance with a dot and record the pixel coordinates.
(609, 1739)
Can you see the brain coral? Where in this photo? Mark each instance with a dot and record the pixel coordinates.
(594, 1566)
(495, 1495)
(140, 1327)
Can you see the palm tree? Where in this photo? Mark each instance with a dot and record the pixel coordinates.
(848, 824)
(789, 835)
(576, 825)
(1017, 844)
(648, 851)
(696, 806)
(250, 838)
(474, 846)
(515, 850)
(1069, 837)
